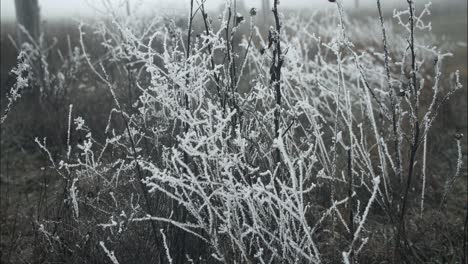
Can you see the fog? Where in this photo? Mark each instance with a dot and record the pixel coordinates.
(84, 8)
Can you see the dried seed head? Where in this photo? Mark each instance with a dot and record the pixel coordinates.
(239, 19)
(253, 11)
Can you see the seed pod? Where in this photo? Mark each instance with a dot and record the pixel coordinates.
(239, 19)
(253, 11)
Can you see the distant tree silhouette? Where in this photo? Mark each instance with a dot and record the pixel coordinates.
(266, 9)
(240, 7)
(27, 15)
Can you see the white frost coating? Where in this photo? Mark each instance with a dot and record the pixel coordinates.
(110, 254)
(23, 73)
(74, 197)
(450, 181)
(280, 145)
(213, 158)
(423, 190)
(168, 254)
(376, 183)
(345, 256)
(43, 146)
(69, 131)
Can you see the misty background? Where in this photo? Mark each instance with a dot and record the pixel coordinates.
(449, 18)
(85, 8)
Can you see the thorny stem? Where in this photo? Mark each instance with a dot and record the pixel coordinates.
(232, 70)
(394, 111)
(189, 42)
(450, 181)
(232, 60)
(275, 72)
(180, 235)
(210, 50)
(415, 140)
(392, 93)
(228, 52)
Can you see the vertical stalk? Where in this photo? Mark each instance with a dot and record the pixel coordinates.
(187, 76)
(232, 68)
(351, 202)
(228, 55)
(415, 139)
(180, 235)
(465, 230)
(392, 94)
(275, 72)
(189, 42)
(210, 51)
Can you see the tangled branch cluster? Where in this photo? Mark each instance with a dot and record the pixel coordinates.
(265, 151)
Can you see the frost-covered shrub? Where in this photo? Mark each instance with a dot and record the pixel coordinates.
(271, 150)
(23, 75)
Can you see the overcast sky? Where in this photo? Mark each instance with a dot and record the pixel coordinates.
(81, 8)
